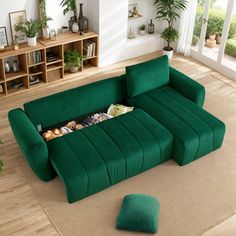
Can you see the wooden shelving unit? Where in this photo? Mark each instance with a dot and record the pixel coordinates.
(34, 64)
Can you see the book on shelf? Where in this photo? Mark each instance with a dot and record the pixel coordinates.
(89, 49)
(34, 57)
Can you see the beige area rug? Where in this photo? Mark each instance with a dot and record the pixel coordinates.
(193, 198)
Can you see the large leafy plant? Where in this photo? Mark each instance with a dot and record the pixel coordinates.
(29, 27)
(169, 11)
(68, 5)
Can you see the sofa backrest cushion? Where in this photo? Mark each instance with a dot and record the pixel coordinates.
(146, 76)
(70, 104)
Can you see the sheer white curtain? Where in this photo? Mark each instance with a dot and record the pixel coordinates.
(186, 27)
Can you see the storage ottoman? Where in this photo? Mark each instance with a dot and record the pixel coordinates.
(104, 154)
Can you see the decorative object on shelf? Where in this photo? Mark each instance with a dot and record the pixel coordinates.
(15, 44)
(30, 28)
(53, 34)
(64, 29)
(151, 27)
(133, 11)
(3, 37)
(71, 22)
(51, 57)
(69, 6)
(131, 34)
(44, 19)
(7, 67)
(15, 66)
(142, 29)
(2, 48)
(169, 11)
(33, 80)
(75, 27)
(15, 19)
(82, 20)
(73, 60)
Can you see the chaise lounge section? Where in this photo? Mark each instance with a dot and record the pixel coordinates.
(176, 102)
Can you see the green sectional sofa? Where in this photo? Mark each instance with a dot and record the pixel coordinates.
(168, 122)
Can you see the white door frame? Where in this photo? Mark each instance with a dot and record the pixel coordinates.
(216, 65)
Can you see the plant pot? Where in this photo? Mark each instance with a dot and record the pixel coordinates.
(142, 32)
(74, 69)
(169, 53)
(212, 37)
(32, 41)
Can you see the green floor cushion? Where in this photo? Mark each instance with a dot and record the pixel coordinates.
(148, 75)
(196, 132)
(104, 154)
(139, 212)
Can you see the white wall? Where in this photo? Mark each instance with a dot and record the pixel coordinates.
(16, 5)
(112, 30)
(113, 27)
(93, 14)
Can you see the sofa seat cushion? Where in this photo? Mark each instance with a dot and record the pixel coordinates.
(196, 132)
(104, 154)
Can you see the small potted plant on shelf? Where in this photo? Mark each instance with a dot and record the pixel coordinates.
(30, 28)
(73, 60)
(169, 11)
(142, 29)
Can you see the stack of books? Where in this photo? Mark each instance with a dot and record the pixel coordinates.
(34, 57)
(89, 49)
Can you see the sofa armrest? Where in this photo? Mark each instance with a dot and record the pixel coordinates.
(31, 144)
(187, 86)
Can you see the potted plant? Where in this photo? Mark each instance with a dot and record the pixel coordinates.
(142, 29)
(169, 11)
(30, 28)
(69, 6)
(73, 60)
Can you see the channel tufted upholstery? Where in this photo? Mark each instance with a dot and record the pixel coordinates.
(101, 155)
(196, 132)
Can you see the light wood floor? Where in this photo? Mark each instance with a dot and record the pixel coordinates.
(20, 210)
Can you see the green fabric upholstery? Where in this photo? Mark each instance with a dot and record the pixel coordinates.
(139, 212)
(70, 104)
(104, 154)
(31, 144)
(188, 87)
(146, 76)
(196, 132)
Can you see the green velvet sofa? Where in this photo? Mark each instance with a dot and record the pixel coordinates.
(168, 122)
